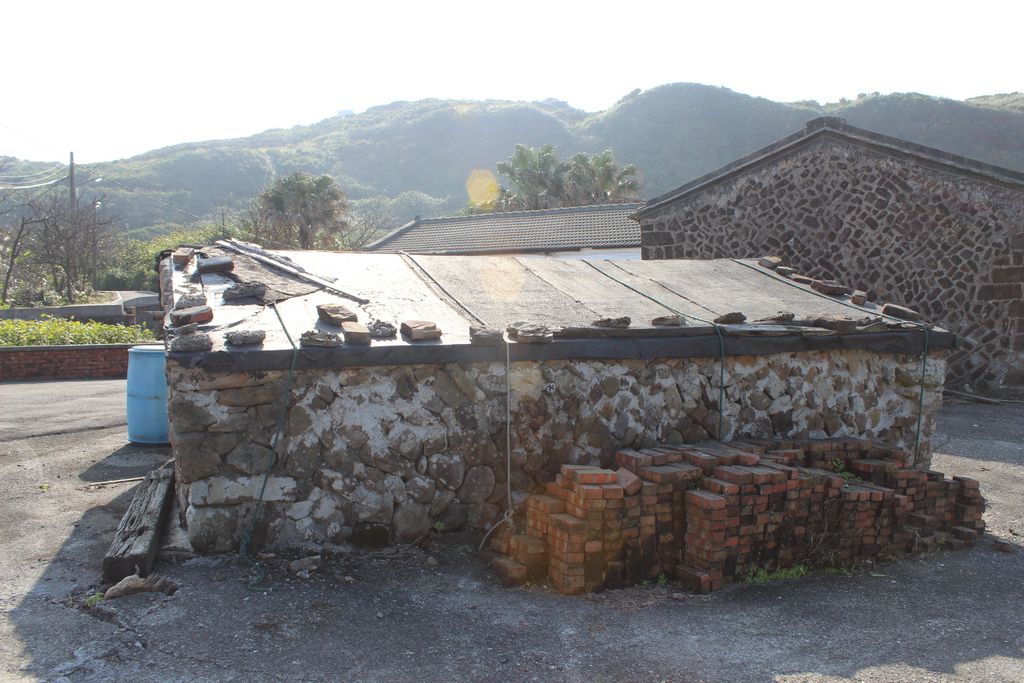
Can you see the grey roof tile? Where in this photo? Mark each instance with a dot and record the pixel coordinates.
(604, 226)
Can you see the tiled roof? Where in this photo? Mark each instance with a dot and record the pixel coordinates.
(606, 226)
(837, 129)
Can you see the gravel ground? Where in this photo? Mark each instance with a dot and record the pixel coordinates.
(395, 616)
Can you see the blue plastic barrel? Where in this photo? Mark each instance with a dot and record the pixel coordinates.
(147, 394)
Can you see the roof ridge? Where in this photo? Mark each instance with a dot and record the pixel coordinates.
(391, 235)
(833, 126)
(587, 208)
(557, 229)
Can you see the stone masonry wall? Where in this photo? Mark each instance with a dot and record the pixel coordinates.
(948, 246)
(411, 446)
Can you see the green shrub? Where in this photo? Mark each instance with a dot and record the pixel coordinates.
(59, 332)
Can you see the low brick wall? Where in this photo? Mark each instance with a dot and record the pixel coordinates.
(92, 361)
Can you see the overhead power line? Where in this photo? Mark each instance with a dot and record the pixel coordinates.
(14, 185)
(29, 187)
(27, 138)
(24, 182)
(140, 193)
(58, 168)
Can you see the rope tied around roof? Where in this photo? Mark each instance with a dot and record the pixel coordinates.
(425, 273)
(248, 531)
(924, 353)
(718, 329)
(509, 511)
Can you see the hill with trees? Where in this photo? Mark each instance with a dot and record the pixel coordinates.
(395, 161)
(427, 149)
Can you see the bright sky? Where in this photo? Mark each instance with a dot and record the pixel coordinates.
(109, 79)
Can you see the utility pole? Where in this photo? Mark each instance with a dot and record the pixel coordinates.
(71, 177)
(73, 219)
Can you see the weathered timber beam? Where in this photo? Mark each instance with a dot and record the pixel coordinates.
(138, 535)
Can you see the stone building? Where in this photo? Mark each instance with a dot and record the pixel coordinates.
(603, 231)
(444, 425)
(938, 232)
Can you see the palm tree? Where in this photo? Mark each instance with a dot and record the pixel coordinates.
(597, 179)
(540, 180)
(536, 175)
(620, 184)
(303, 210)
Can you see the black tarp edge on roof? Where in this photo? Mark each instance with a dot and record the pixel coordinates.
(708, 346)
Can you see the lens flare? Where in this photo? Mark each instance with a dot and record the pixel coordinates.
(482, 188)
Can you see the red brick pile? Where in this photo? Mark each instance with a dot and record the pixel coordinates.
(710, 514)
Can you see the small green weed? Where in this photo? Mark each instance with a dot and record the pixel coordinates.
(840, 571)
(759, 576)
(94, 599)
(438, 527)
(662, 580)
(840, 468)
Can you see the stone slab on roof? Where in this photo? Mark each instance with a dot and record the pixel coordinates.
(605, 226)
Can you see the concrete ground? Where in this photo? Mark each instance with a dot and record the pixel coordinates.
(392, 616)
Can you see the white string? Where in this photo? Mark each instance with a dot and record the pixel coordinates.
(507, 517)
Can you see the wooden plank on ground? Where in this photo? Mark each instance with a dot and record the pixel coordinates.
(138, 535)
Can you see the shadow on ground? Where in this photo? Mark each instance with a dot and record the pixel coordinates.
(128, 461)
(992, 430)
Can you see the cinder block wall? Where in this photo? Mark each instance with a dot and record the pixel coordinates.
(949, 246)
(410, 446)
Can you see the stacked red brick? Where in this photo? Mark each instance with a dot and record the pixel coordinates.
(715, 512)
(585, 541)
(663, 482)
(735, 523)
(823, 517)
(573, 536)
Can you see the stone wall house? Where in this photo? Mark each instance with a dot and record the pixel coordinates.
(408, 432)
(941, 233)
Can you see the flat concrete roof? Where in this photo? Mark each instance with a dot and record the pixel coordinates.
(567, 296)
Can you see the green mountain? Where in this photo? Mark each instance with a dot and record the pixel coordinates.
(673, 133)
